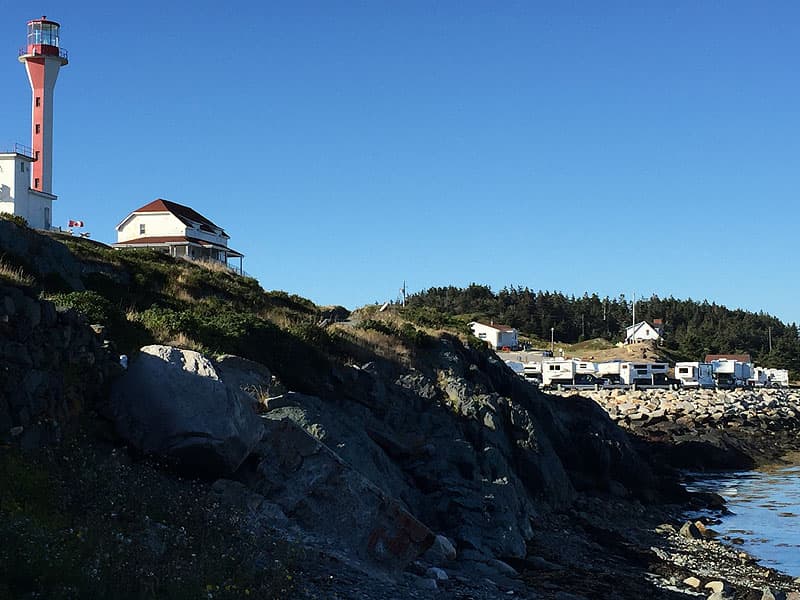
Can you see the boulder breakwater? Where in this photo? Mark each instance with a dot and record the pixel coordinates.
(707, 429)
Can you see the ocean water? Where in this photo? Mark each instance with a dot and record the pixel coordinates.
(766, 512)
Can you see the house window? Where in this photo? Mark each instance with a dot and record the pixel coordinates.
(482, 336)
(37, 155)
(46, 217)
(38, 128)
(141, 228)
(36, 182)
(22, 167)
(38, 101)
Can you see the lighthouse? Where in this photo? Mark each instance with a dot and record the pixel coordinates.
(42, 57)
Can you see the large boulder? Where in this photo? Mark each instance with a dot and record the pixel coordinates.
(337, 507)
(171, 402)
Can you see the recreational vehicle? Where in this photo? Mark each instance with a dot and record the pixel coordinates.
(762, 377)
(532, 371)
(644, 373)
(610, 371)
(569, 372)
(694, 374)
(730, 373)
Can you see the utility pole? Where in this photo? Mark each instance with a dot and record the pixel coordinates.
(552, 342)
(634, 309)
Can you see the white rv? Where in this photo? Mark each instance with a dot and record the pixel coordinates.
(694, 374)
(644, 373)
(763, 377)
(569, 371)
(557, 371)
(610, 371)
(532, 371)
(731, 373)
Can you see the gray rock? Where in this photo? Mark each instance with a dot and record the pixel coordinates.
(441, 551)
(253, 378)
(502, 567)
(324, 496)
(171, 402)
(438, 574)
(690, 531)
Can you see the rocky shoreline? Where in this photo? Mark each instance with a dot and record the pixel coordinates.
(707, 429)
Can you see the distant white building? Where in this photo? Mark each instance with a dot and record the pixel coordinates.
(641, 332)
(497, 336)
(17, 197)
(177, 230)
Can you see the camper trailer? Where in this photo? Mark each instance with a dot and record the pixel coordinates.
(731, 373)
(557, 371)
(648, 374)
(569, 373)
(532, 371)
(694, 374)
(609, 372)
(763, 377)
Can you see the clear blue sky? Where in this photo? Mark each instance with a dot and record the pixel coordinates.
(648, 147)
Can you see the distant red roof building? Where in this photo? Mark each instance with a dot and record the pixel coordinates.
(740, 357)
(177, 230)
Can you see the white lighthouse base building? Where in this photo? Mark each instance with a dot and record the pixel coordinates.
(16, 195)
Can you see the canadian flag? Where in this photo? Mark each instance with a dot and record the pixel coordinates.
(75, 223)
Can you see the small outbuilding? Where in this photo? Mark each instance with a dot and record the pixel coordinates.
(177, 230)
(497, 336)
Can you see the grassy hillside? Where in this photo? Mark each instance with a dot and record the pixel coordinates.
(143, 297)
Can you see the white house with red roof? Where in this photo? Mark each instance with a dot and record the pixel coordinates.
(642, 332)
(497, 336)
(176, 229)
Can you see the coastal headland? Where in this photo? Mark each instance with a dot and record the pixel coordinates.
(258, 445)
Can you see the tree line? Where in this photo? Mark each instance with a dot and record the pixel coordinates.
(692, 329)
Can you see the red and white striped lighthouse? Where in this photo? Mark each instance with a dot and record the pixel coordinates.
(43, 57)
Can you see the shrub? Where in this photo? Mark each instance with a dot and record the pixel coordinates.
(16, 219)
(96, 308)
(427, 316)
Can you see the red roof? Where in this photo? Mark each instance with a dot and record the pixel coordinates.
(175, 239)
(739, 357)
(164, 239)
(187, 215)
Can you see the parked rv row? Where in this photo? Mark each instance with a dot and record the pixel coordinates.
(574, 373)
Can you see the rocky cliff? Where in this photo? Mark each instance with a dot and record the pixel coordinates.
(389, 455)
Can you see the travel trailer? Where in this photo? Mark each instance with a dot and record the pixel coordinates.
(694, 374)
(610, 371)
(532, 371)
(731, 373)
(569, 372)
(644, 373)
(762, 377)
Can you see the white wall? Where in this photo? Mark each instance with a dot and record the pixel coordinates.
(16, 197)
(157, 224)
(643, 332)
(207, 237)
(494, 337)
